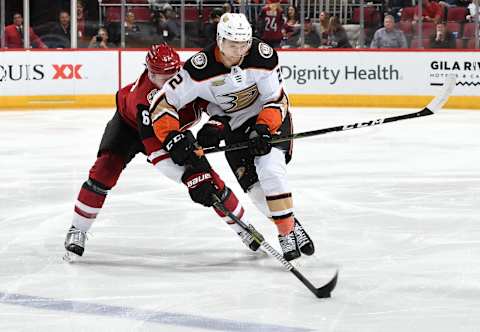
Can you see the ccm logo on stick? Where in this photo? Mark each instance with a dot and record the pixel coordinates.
(67, 72)
(363, 124)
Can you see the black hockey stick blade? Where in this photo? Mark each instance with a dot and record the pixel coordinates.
(322, 292)
(433, 107)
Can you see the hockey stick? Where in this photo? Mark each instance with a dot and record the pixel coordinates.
(433, 107)
(322, 292)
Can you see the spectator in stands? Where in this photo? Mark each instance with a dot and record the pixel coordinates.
(388, 36)
(442, 38)
(227, 7)
(431, 12)
(14, 34)
(210, 30)
(100, 40)
(324, 21)
(472, 11)
(131, 26)
(312, 38)
(337, 36)
(291, 26)
(271, 23)
(394, 7)
(168, 27)
(60, 33)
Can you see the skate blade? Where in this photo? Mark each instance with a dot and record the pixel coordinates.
(70, 257)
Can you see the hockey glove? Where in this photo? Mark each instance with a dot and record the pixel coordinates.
(181, 147)
(214, 131)
(201, 185)
(259, 144)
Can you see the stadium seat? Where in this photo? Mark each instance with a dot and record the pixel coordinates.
(428, 29)
(454, 27)
(142, 14)
(406, 27)
(371, 15)
(471, 43)
(468, 30)
(407, 14)
(456, 14)
(416, 43)
(112, 14)
(191, 13)
(460, 43)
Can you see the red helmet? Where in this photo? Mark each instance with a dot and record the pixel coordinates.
(162, 59)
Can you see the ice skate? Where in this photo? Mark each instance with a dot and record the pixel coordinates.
(304, 242)
(74, 244)
(289, 246)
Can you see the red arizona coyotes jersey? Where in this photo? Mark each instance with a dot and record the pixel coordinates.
(273, 24)
(141, 92)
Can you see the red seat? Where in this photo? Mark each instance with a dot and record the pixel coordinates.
(112, 14)
(471, 43)
(407, 14)
(191, 13)
(406, 27)
(456, 14)
(454, 27)
(459, 43)
(371, 16)
(142, 14)
(468, 30)
(416, 43)
(427, 29)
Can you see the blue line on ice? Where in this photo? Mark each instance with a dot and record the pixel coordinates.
(148, 316)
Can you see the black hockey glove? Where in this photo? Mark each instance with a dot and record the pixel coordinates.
(214, 131)
(181, 147)
(200, 184)
(259, 144)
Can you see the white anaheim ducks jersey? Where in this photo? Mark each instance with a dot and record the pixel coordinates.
(240, 92)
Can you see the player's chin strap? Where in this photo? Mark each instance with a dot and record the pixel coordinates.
(433, 107)
(322, 292)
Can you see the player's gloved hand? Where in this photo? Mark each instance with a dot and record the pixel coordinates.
(201, 185)
(259, 144)
(214, 131)
(181, 147)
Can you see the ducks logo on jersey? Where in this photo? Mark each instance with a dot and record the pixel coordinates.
(240, 100)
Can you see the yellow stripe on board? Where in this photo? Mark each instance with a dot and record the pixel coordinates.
(64, 102)
(461, 102)
(299, 100)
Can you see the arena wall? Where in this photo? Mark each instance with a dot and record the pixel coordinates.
(45, 79)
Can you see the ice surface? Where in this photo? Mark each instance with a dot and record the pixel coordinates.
(396, 207)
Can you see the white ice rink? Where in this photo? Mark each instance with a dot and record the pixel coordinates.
(395, 207)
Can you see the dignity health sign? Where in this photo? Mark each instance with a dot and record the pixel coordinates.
(379, 73)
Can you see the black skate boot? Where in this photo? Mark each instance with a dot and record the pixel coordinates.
(249, 241)
(75, 241)
(289, 246)
(303, 240)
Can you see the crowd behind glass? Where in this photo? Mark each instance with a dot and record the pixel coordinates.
(447, 24)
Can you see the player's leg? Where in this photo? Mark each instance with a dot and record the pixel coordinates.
(118, 146)
(265, 180)
(162, 161)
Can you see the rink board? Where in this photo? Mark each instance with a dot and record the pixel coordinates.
(90, 78)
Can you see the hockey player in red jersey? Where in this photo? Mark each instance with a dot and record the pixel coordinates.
(240, 78)
(130, 132)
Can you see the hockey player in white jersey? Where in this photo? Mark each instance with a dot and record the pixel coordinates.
(240, 78)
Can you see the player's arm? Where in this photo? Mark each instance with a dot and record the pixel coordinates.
(175, 94)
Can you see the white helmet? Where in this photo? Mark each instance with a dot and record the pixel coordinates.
(235, 27)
